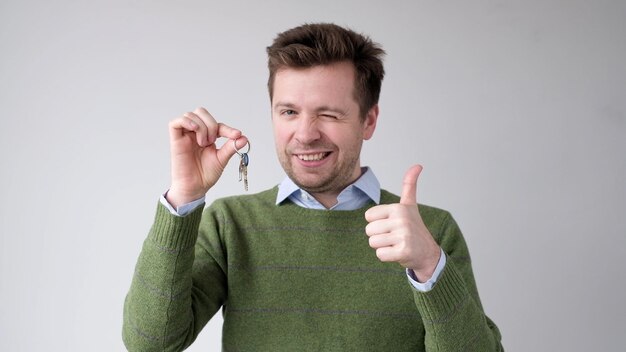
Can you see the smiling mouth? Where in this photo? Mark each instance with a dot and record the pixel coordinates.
(313, 157)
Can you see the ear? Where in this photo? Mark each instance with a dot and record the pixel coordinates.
(369, 124)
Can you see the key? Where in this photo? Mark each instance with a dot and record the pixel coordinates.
(243, 164)
(243, 169)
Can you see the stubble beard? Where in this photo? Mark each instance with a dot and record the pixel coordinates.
(323, 180)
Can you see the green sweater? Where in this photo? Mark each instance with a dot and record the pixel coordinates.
(296, 279)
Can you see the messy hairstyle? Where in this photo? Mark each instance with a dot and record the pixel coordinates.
(323, 44)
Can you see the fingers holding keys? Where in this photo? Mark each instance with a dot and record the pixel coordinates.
(201, 127)
(204, 126)
(196, 162)
(201, 123)
(230, 148)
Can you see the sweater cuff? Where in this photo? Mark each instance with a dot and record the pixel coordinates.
(445, 298)
(174, 232)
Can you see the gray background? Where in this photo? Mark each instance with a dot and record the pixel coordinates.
(516, 109)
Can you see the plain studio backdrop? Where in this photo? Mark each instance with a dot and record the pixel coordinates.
(516, 109)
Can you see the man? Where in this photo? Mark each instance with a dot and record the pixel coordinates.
(311, 264)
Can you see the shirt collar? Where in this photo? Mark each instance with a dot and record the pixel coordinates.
(367, 183)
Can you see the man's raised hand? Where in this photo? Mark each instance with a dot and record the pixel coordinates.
(196, 162)
(398, 234)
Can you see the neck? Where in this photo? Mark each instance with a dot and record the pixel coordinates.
(326, 199)
(329, 198)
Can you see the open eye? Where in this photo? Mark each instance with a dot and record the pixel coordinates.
(288, 112)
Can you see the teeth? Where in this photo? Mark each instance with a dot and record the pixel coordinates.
(312, 157)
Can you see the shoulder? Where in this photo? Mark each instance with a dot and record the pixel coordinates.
(387, 197)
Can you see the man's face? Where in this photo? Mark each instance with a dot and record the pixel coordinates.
(317, 126)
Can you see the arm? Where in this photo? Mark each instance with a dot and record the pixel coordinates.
(452, 312)
(413, 236)
(168, 303)
(158, 312)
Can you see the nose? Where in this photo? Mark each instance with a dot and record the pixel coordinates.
(307, 130)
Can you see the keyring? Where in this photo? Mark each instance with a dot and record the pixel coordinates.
(237, 151)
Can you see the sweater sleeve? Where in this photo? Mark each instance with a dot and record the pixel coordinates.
(452, 314)
(167, 304)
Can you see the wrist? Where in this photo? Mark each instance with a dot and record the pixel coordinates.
(177, 198)
(426, 271)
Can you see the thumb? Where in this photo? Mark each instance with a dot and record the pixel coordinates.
(236, 142)
(226, 152)
(409, 185)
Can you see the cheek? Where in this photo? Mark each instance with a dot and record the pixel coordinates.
(344, 139)
(281, 135)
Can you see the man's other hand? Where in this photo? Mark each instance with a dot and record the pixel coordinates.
(398, 234)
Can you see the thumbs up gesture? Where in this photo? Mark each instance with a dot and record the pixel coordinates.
(398, 234)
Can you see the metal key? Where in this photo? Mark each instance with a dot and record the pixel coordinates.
(243, 169)
(243, 164)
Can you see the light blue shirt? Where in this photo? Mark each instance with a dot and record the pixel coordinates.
(353, 197)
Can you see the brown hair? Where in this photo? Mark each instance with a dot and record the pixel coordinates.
(324, 43)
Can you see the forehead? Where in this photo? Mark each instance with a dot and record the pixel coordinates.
(334, 82)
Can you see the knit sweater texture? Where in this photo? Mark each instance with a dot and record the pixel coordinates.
(294, 279)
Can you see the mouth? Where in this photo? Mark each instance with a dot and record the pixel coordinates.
(313, 157)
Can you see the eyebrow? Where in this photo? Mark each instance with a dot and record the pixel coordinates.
(284, 105)
(319, 109)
